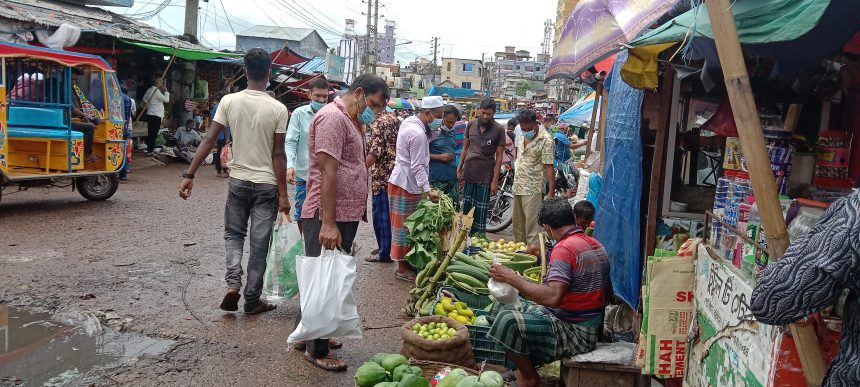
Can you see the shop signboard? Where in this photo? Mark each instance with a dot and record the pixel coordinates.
(732, 349)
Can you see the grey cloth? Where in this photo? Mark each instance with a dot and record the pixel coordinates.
(812, 275)
(258, 203)
(319, 348)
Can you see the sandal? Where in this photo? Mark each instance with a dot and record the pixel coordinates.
(332, 344)
(327, 367)
(377, 259)
(230, 303)
(408, 277)
(262, 306)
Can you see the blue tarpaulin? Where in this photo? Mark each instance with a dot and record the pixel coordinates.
(617, 220)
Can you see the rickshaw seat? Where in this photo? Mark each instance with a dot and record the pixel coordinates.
(36, 122)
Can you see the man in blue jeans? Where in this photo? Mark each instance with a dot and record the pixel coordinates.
(258, 183)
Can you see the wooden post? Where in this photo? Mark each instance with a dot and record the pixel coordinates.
(598, 92)
(758, 165)
(601, 130)
(164, 74)
(792, 117)
(659, 160)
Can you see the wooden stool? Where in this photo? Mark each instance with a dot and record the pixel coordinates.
(574, 374)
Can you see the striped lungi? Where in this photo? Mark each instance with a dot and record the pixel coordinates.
(401, 204)
(540, 336)
(477, 196)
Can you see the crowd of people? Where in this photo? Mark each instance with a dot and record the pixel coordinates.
(322, 150)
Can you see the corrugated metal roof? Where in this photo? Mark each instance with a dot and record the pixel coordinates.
(89, 19)
(274, 32)
(315, 65)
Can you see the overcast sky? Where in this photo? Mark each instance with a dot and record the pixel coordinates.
(466, 29)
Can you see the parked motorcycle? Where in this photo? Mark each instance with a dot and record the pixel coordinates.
(500, 215)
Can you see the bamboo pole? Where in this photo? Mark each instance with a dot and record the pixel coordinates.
(598, 93)
(658, 162)
(164, 74)
(758, 165)
(601, 130)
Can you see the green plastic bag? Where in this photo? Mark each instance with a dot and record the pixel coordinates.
(280, 281)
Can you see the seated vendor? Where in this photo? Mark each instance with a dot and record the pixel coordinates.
(565, 312)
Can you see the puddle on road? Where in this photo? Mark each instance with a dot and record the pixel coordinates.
(38, 350)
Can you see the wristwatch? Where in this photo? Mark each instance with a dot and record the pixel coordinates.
(186, 175)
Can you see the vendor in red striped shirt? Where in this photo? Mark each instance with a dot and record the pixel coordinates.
(565, 312)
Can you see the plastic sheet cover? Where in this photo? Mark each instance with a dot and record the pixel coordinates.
(617, 220)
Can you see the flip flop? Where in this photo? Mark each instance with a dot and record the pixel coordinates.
(332, 344)
(330, 356)
(262, 306)
(405, 277)
(230, 303)
(377, 259)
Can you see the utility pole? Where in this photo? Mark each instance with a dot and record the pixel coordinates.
(191, 17)
(435, 50)
(375, 57)
(483, 71)
(547, 36)
(367, 38)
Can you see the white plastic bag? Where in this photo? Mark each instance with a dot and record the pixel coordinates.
(327, 298)
(280, 281)
(503, 293)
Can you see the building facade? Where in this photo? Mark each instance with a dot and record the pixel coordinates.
(512, 67)
(304, 41)
(562, 12)
(463, 73)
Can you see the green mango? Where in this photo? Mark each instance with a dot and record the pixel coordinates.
(403, 370)
(370, 374)
(377, 358)
(390, 362)
(411, 380)
(492, 379)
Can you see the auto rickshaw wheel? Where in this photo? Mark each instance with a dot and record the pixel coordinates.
(97, 187)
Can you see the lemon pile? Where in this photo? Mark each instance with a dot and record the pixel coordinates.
(500, 245)
(434, 331)
(456, 310)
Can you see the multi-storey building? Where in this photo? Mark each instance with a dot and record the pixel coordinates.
(511, 67)
(463, 73)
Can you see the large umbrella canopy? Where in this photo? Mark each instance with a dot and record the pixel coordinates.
(596, 29)
(399, 103)
(580, 113)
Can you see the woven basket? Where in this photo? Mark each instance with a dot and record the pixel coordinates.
(431, 368)
(457, 349)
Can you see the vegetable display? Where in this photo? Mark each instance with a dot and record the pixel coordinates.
(372, 374)
(425, 225)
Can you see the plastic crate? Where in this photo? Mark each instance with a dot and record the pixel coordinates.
(483, 347)
(474, 301)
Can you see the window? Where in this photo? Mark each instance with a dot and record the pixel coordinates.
(468, 67)
(449, 66)
(518, 67)
(467, 85)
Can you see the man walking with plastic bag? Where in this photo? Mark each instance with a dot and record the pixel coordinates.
(258, 182)
(336, 201)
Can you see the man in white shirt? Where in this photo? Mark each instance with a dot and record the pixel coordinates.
(154, 100)
(411, 177)
(297, 141)
(258, 183)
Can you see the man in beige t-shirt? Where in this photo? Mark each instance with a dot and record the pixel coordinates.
(258, 185)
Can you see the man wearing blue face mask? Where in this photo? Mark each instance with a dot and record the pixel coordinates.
(534, 161)
(296, 144)
(411, 177)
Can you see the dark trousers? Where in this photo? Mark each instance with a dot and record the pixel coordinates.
(311, 232)
(88, 130)
(153, 124)
(256, 203)
(382, 224)
(219, 146)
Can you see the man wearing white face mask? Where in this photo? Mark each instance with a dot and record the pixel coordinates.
(296, 144)
(443, 163)
(411, 177)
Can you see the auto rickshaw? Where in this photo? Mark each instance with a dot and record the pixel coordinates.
(53, 105)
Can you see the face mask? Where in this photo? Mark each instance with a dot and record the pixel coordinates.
(529, 135)
(446, 129)
(437, 122)
(367, 115)
(316, 106)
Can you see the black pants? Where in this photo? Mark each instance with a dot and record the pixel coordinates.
(88, 130)
(219, 146)
(311, 232)
(153, 124)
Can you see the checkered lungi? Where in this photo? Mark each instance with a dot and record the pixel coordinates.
(539, 335)
(382, 224)
(401, 204)
(477, 196)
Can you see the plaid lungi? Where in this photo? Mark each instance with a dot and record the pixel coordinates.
(450, 188)
(477, 196)
(401, 204)
(382, 224)
(539, 335)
